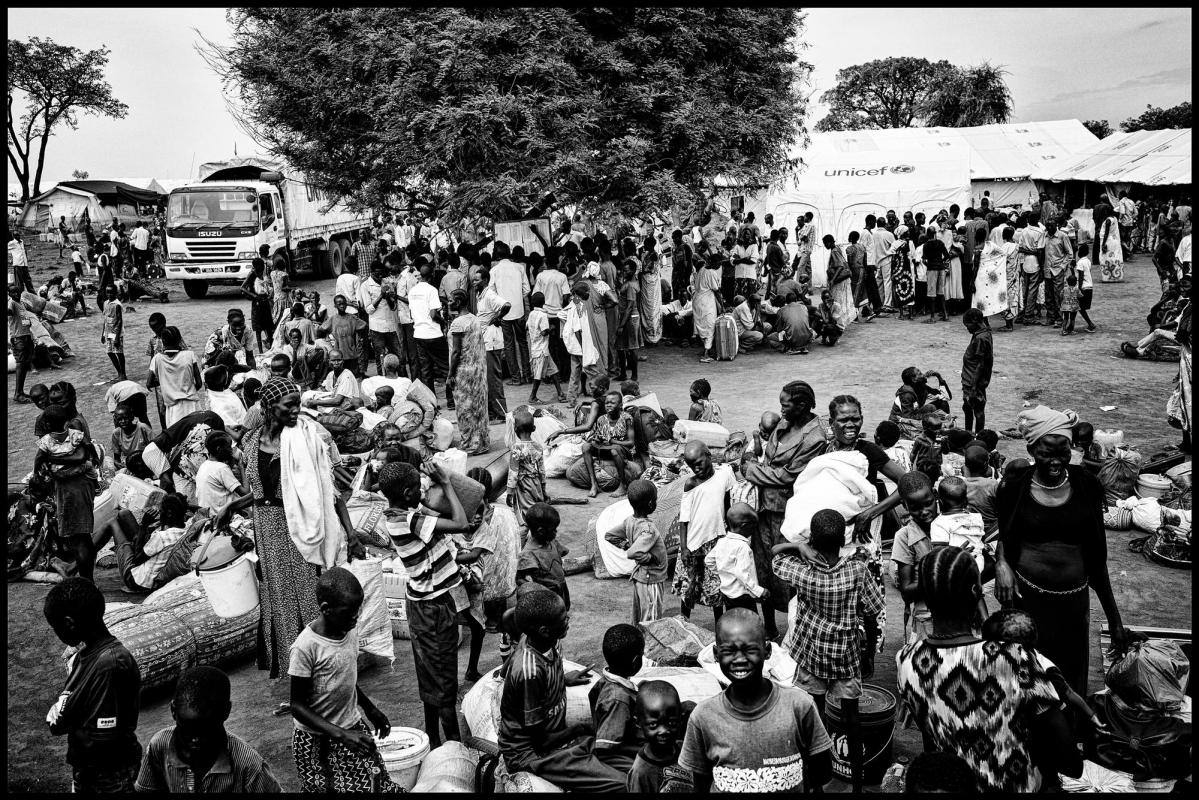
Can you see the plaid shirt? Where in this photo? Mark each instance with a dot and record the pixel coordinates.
(829, 600)
(365, 254)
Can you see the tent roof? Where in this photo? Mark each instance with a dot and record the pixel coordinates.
(107, 191)
(1153, 158)
(240, 168)
(1007, 151)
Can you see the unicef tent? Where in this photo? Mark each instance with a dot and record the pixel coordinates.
(1150, 158)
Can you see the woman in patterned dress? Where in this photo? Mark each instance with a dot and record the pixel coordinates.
(287, 593)
(903, 282)
(651, 291)
(1111, 252)
(468, 375)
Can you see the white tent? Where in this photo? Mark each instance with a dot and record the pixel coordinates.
(1151, 158)
(101, 199)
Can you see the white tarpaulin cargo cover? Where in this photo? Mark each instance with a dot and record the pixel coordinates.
(1009, 151)
(1152, 158)
(840, 189)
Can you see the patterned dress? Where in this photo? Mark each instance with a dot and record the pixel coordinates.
(526, 476)
(710, 410)
(651, 297)
(470, 383)
(903, 284)
(287, 593)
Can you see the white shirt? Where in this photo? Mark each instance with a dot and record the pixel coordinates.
(489, 304)
(733, 562)
(140, 238)
(555, 286)
(867, 241)
(1183, 254)
(538, 324)
(423, 300)
(572, 324)
(746, 271)
(347, 285)
(1083, 269)
(16, 251)
(345, 385)
(216, 485)
(702, 508)
(510, 281)
(882, 246)
(398, 385)
(381, 316)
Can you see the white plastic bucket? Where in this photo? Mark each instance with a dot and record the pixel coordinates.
(1150, 485)
(232, 589)
(403, 752)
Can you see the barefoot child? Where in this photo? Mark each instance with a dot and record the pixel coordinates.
(659, 716)
(755, 736)
(610, 436)
(642, 542)
(613, 698)
(98, 707)
(526, 467)
(539, 349)
(910, 545)
(541, 557)
(956, 525)
(216, 484)
(732, 561)
(533, 734)
(332, 745)
(112, 334)
(766, 425)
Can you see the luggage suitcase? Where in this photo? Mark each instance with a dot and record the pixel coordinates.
(725, 343)
(32, 302)
(54, 312)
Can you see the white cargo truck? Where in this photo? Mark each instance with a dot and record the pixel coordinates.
(215, 226)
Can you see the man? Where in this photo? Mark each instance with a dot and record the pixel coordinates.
(512, 284)
(1030, 239)
(492, 309)
(565, 234)
(974, 230)
(680, 265)
(1126, 210)
(380, 308)
(884, 240)
(977, 363)
(753, 228)
(140, 241)
(345, 328)
(555, 288)
(400, 282)
(432, 349)
(936, 262)
(1049, 209)
(20, 339)
(805, 241)
(233, 337)
(20, 262)
(1059, 254)
(775, 260)
(63, 236)
(870, 277)
(347, 286)
(456, 278)
(794, 332)
(751, 331)
(340, 387)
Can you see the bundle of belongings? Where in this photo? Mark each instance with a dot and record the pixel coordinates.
(1145, 714)
(50, 348)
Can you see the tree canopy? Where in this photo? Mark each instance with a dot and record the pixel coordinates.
(58, 82)
(1100, 127)
(490, 112)
(906, 92)
(1156, 119)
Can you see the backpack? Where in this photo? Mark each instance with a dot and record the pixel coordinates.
(339, 422)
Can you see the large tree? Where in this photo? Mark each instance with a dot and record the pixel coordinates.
(488, 112)
(906, 92)
(57, 83)
(1156, 119)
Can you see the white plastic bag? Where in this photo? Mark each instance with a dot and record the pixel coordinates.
(615, 561)
(1096, 778)
(564, 453)
(836, 481)
(374, 625)
(544, 426)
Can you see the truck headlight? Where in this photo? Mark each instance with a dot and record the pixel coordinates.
(247, 256)
(179, 256)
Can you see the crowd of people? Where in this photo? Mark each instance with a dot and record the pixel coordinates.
(254, 426)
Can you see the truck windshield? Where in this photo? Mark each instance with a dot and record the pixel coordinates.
(215, 208)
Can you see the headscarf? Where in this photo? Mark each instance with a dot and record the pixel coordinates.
(1040, 421)
(276, 389)
(592, 271)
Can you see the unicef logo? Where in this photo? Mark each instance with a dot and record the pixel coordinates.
(903, 169)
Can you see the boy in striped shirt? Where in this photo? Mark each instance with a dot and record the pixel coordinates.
(424, 546)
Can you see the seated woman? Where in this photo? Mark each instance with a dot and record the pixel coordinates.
(307, 360)
(703, 407)
(1171, 315)
(588, 410)
(610, 437)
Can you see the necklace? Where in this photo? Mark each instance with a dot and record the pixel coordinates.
(1065, 479)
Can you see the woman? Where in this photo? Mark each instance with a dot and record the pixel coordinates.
(1052, 545)
(257, 287)
(586, 413)
(600, 299)
(651, 291)
(706, 304)
(1183, 336)
(298, 321)
(990, 703)
(840, 284)
(300, 522)
(798, 438)
(177, 372)
(467, 379)
(1111, 252)
(903, 282)
(990, 284)
(279, 292)
(628, 335)
(953, 244)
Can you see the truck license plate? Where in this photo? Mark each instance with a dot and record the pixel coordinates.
(213, 269)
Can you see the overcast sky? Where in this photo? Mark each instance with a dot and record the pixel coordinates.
(1063, 63)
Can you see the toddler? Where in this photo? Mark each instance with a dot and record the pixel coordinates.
(1069, 304)
(957, 525)
(216, 485)
(384, 397)
(541, 558)
(744, 491)
(526, 467)
(642, 542)
(731, 560)
(614, 697)
(766, 425)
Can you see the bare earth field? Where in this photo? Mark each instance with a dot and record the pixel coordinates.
(1082, 372)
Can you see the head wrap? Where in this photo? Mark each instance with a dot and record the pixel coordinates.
(1041, 421)
(276, 389)
(593, 270)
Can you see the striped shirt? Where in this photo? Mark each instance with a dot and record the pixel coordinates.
(532, 705)
(427, 555)
(158, 548)
(238, 769)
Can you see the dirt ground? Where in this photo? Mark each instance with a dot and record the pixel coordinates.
(1082, 372)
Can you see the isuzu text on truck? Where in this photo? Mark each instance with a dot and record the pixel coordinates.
(215, 226)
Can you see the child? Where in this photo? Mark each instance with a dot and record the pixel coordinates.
(744, 491)
(927, 446)
(703, 407)
(541, 557)
(642, 542)
(129, 435)
(216, 485)
(1069, 304)
(832, 593)
(425, 548)
(112, 334)
(766, 425)
(1014, 625)
(384, 397)
(953, 449)
(628, 326)
(630, 391)
(68, 458)
(526, 467)
(660, 721)
(732, 561)
(910, 545)
(755, 736)
(1086, 290)
(1084, 450)
(991, 439)
(887, 436)
(855, 259)
(956, 525)
(610, 436)
(539, 349)
(196, 754)
(614, 697)
(332, 745)
(98, 707)
(533, 734)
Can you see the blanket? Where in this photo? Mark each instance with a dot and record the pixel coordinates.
(836, 481)
(308, 493)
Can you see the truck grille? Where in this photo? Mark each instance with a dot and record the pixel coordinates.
(214, 249)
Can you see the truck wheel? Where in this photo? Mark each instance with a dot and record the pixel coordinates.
(346, 246)
(195, 289)
(335, 262)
